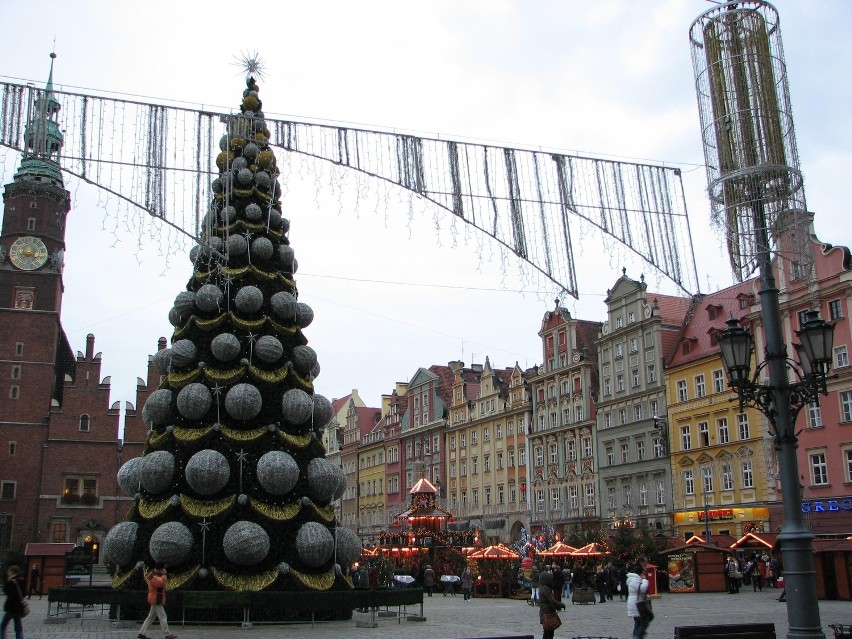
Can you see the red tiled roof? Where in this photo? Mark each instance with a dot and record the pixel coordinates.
(337, 404)
(724, 304)
(367, 418)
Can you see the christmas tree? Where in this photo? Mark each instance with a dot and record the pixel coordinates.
(233, 491)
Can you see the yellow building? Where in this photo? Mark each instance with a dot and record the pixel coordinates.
(372, 513)
(723, 460)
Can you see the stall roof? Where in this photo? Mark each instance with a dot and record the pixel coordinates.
(756, 540)
(47, 550)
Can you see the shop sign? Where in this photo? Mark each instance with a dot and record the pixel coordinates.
(717, 513)
(826, 505)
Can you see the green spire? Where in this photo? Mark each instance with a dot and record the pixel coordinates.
(42, 137)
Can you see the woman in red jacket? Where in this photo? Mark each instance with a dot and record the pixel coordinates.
(157, 580)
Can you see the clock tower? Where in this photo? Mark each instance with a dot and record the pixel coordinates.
(35, 356)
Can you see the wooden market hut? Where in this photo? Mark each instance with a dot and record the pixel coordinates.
(695, 565)
(833, 564)
(50, 559)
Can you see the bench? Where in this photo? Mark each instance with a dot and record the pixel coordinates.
(727, 631)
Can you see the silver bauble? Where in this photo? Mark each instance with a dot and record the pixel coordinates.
(275, 220)
(250, 151)
(158, 408)
(217, 185)
(243, 402)
(314, 544)
(349, 546)
(225, 347)
(184, 353)
(194, 253)
(277, 472)
(284, 306)
(239, 163)
(276, 189)
(246, 543)
(209, 298)
(295, 265)
(304, 314)
(170, 543)
(253, 212)
(227, 180)
(263, 180)
(261, 248)
(296, 406)
(268, 349)
(163, 361)
(185, 301)
(216, 243)
(128, 476)
(285, 225)
(315, 371)
(194, 400)
(156, 470)
(322, 480)
(228, 215)
(224, 141)
(119, 542)
(236, 245)
(245, 177)
(285, 256)
(323, 411)
(304, 358)
(249, 299)
(207, 472)
(176, 318)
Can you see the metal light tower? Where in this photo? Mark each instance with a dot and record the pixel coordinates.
(758, 201)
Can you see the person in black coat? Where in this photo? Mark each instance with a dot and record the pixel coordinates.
(547, 603)
(557, 582)
(13, 608)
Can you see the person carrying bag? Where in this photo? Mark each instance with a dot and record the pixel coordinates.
(15, 608)
(548, 605)
(638, 603)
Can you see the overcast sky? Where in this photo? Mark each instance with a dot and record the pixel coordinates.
(607, 78)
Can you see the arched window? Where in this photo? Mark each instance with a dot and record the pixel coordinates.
(85, 422)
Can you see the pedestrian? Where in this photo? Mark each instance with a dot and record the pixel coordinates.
(600, 583)
(467, 583)
(622, 583)
(15, 608)
(548, 605)
(638, 604)
(35, 582)
(611, 579)
(429, 580)
(732, 571)
(157, 579)
(759, 576)
(557, 582)
(534, 585)
(566, 582)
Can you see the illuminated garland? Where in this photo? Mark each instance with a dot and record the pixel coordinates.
(314, 582)
(277, 513)
(243, 435)
(152, 510)
(199, 508)
(187, 435)
(253, 583)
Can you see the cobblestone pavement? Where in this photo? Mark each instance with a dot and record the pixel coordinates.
(452, 617)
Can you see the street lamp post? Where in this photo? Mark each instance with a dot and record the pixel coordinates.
(780, 401)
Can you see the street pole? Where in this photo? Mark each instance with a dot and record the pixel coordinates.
(795, 538)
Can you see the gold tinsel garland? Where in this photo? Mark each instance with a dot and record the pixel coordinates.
(120, 580)
(270, 377)
(253, 583)
(235, 273)
(211, 324)
(153, 509)
(323, 581)
(224, 376)
(188, 435)
(306, 385)
(280, 329)
(243, 435)
(247, 325)
(296, 441)
(286, 281)
(181, 579)
(200, 508)
(157, 440)
(179, 380)
(277, 513)
(266, 276)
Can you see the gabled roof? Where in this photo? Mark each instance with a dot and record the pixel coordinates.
(367, 418)
(47, 550)
(423, 486)
(701, 328)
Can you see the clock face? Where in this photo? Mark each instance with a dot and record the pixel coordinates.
(28, 253)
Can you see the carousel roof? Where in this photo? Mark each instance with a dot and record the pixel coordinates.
(423, 486)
